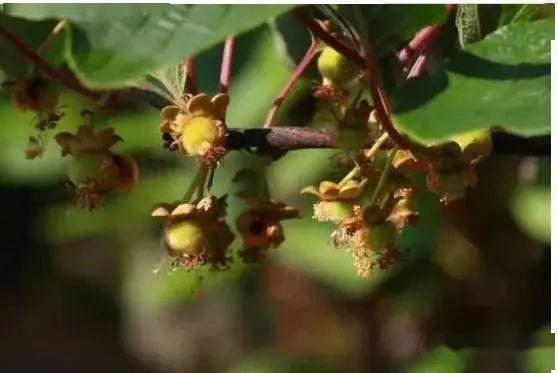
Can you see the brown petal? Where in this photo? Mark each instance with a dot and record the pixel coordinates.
(220, 103)
(107, 138)
(200, 105)
(329, 190)
(184, 209)
(85, 130)
(168, 113)
(352, 189)
(160, 211)
(128, 171)
(310, 190)
(405, 161)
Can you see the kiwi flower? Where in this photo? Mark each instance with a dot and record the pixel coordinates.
(198, 128)
(93, 169)
(260, 226)
(450, 166)
(335, 201)
(196, 234)
(368, 236)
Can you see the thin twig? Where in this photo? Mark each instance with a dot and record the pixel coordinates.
(355, 172)
(226, 65)
(383, 176)
(420, 65)
(197, 182)
(55, 31)
(299, 71)
(190, 72)
(419, 42)
(53, 73)
(329, 39)
(379, 97)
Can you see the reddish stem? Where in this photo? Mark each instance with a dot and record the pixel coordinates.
(226, 65)
(190, 71)
(53, 73)
(299, 71)
(381, 104)
(326, 37)
(420, 65)
(419, 42)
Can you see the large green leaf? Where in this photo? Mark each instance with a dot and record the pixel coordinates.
(390, 25)
(502, 81)
(291, 38)
(113, 45)
(33, 34)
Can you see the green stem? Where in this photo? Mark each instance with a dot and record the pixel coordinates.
(355, 172)
(383, 176)
(197, 183)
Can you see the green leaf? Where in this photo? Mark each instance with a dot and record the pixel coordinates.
(539, 360)
(291, 38)
(33, 34)
(114, 45)
(390, 25)
(530, 207)
(442, 359)
(502, 81)
(510, 13)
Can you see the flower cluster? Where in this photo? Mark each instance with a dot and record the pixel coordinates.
(94, 170)
(197, 128)
(449, 167)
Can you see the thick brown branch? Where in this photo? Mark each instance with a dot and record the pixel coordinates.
(283, 139)
(53, 73)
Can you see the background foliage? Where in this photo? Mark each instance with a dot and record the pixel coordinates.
(472, 294)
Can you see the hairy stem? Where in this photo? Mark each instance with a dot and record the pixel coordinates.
(190, 72)
(299, 71)
(197, 183)
(355, 172)
(381, 104)
(383, 176)
(319, 32)
(226, 65)
(55, 31)
(53, 73)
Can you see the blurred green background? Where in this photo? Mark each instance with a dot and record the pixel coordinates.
(79, 292)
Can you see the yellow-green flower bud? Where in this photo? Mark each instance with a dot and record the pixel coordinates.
(185, 237)
(333, 211)
(335, 68)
